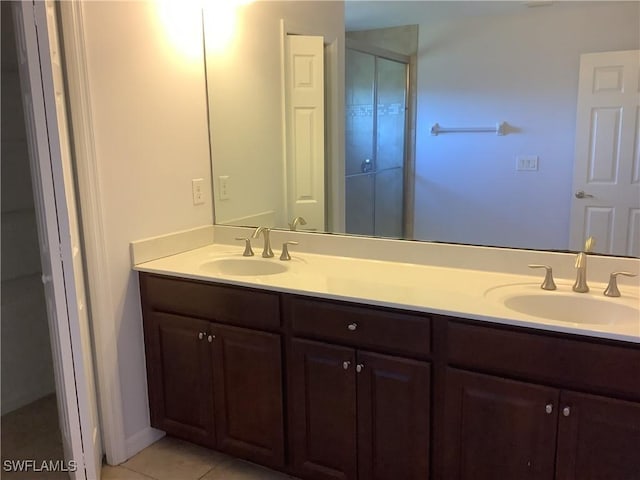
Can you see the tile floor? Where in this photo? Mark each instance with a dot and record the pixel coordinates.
(32, 432)
(173, 459)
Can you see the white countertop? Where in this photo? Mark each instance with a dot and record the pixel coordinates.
(456, 292)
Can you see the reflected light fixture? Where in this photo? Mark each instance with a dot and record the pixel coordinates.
(221, 23)
(180, 23)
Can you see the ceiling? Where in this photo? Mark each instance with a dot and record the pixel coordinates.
(369, 14)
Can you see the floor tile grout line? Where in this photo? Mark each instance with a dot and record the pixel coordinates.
(135, 471)
(225, 461)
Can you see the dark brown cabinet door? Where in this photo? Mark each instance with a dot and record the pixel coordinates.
(498, 428)
(323, 411)
(180, 382)
(247, 373)
(598, 438)
(393, 418)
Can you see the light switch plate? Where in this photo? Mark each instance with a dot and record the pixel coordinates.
(528, 163)
(197, 185)
(223, 187)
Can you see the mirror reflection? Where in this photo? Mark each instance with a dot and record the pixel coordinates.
(510, 124)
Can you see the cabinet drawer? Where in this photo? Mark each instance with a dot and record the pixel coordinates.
(572, 363)
(232, 305)
(359, 326)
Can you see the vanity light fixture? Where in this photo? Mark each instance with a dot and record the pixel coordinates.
(176, 20)
(221, 23)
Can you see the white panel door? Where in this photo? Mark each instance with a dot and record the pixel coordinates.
(606, 182)
(58, 231)
(304, 127)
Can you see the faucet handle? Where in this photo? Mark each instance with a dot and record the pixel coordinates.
(248, 252)
(612, 287)
(285, 250)
(548, 283)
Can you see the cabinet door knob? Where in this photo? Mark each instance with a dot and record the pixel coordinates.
(352, 326)
(345, 365)
(548, 408)
(200, 335)
(210, 338)
(359, 367)
(566, 411)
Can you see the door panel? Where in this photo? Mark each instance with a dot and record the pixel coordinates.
(180, 381)
(72, 251)
(393, 418)
(599, 439)
(323, 411)
(44, 103)
(607, 157)
(305, 125)
(498, 428)
(247, 372)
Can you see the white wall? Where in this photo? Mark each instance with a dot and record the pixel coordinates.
(522, 69)
(245, 101)
(149, 119)
(27, 367)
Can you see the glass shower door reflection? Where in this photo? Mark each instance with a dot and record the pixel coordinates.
(376, 91)
(359, 132)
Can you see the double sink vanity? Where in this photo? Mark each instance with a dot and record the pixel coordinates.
(331, 365)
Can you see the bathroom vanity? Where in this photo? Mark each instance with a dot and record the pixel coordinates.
(325, 388)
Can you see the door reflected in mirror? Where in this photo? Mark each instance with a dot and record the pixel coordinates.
(473, 66)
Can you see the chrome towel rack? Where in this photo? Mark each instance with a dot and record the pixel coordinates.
(499, 129)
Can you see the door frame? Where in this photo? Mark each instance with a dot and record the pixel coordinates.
(104, 335)
(57, 227)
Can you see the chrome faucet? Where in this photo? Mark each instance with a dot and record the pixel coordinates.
(266, 251)
(297, 221)
(581, 267)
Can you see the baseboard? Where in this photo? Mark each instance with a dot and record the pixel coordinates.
(141, 440)
(25, 398)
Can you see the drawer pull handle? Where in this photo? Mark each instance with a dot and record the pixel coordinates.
(566, 411)
(345, 365)
(352, 326)
(210, 338)
(548, 408)
(200, 335)
(359, 367)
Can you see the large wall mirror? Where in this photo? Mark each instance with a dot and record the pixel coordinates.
(509, 124)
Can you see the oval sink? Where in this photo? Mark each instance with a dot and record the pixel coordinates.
(244, 266)
(565, 308)
(569, 307)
